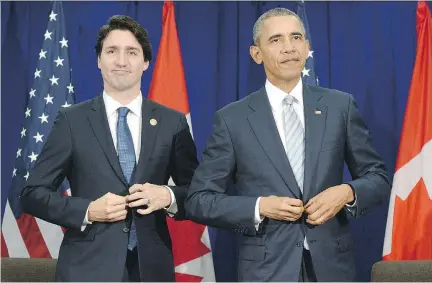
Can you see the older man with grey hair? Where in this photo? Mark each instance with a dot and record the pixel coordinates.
(285, 146)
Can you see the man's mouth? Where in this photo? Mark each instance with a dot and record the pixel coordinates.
(291, 60)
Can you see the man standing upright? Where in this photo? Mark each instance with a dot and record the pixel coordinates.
(118, 152)
(285, 146)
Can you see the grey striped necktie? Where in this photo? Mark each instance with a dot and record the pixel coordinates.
(294, 139)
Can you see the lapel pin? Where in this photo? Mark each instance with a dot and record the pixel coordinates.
(317, 112)
(153, 122)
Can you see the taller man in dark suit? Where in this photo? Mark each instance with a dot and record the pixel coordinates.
(118, 151)
(284, 146)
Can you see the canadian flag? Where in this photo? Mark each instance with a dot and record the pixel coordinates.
(191, 244)
(408, 233)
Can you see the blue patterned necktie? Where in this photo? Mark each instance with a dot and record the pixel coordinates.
(126, 156)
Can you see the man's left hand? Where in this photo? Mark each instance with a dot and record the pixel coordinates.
(328, 203)
(154, 196)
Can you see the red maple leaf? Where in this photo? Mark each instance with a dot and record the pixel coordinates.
(180, 277)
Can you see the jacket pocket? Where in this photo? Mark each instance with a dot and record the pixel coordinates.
(76, 235)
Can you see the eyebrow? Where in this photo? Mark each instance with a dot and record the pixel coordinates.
(297, 33)
(127, 47)
(278, 35)
(274, 36)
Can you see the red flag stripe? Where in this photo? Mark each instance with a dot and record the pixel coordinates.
(32, 237)
(4, 249)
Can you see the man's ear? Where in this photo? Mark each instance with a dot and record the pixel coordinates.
(255, 53)
(146, 65)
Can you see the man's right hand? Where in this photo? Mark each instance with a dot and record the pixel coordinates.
(108, 208)
(281, 208)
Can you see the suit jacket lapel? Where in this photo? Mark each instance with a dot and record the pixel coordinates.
(315, 118)
(148, 137)
(99, 123)
(265, 129)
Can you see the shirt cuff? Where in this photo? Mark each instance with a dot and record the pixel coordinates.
(354, 204)
(352, 208)
(258, 218)
(86, 221)
(173, 208)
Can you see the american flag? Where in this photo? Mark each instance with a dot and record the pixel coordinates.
(308, 74)
(24, 235)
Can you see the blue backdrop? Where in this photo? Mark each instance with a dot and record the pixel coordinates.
(364, 48)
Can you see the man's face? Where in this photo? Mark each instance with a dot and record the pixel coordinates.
(282, 48)
(121, 61)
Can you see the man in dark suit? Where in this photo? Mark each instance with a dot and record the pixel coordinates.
(284, 146)
(118, 151)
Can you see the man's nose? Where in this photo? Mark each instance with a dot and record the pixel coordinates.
(121, 59)
(287, 47)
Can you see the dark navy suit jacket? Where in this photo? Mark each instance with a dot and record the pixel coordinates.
(80, 147)
(245, 147)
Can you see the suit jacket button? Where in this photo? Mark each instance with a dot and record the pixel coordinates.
(126, 229)
(299, 244)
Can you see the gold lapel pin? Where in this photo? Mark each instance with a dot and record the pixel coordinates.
(153, 122)
(317, 112)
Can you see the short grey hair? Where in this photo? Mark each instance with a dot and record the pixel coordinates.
(276, 12)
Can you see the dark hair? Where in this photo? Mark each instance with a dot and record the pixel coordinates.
(125, 23)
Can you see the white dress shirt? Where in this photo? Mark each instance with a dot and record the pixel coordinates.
(134, 121)
(276, 97)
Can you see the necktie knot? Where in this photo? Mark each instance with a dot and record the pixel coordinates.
(122, 112)
(288, 100)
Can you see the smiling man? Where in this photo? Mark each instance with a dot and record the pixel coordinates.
(284, 147)
(118, 151)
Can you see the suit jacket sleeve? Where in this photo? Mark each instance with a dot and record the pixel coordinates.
(207, 201)
(40, 196)
(370, 180)
(183, 164)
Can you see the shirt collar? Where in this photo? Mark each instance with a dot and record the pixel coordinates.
(111, 105)
(276, 95)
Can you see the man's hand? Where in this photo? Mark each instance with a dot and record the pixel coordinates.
(281, 208)
(108, 208)
(155, 197)
(328, 203)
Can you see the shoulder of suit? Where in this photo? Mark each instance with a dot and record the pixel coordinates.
(237, 107)
(328, 92)
(164, 109)
(78, 107)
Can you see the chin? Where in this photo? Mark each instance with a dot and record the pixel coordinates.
(122, 85)
(291, 77)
